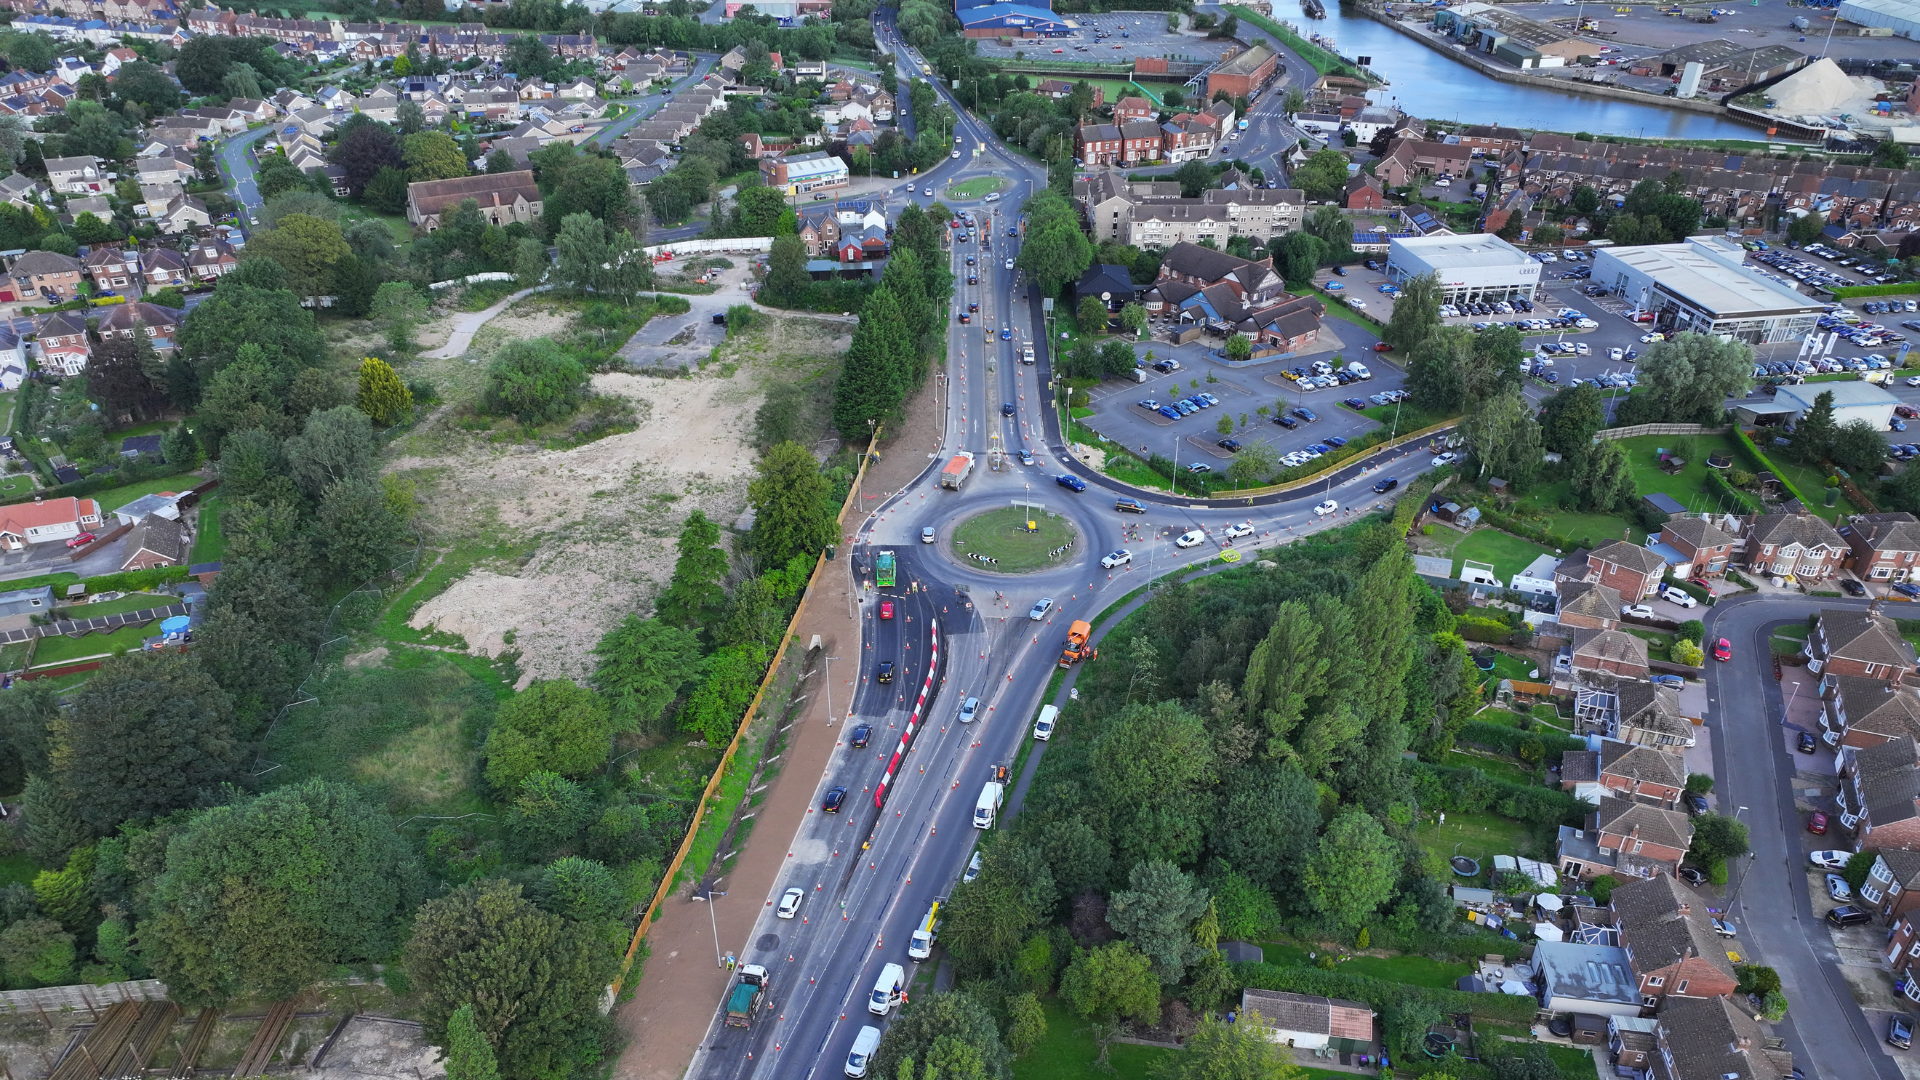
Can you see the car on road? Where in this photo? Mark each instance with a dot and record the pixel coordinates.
(1122, 557)
(1026, 456)
(1129, 506)
(885, 674)
(968, 709)
(1636, 611)
(956, 155)
(1070, 482)
(1006, 408)
(1851, 916)
(886, 609)
(1191, 538)
(1326, 508)
(1830, 859)
(1900, 1033)
(1231, 446)
(860, 736)
(82, 540)
(1236, 531)
(1381, 346)
(1043, 727)
(1009, 264)
(927, 192)
(1382, 486)
(830, 803)
(1807, 743)
(1817, 823)
(1907, 589)
(1674, 681)
(1199, 467)
(790, 903)
(1447, 458)
(1723, 650)
(1040, 609)
(926, 535)
(1006, 334)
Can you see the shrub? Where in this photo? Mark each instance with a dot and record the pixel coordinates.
(1602, 889)
(1688, 653)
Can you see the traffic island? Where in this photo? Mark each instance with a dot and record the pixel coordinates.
(1000, 541)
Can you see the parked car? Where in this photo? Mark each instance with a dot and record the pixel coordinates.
(82, 540)
(1677, 596)
(1853, 916)
(1306, 414)
(1807, 743)
(1817, 823)
(1907, 589)
(1852, 587)
(1830, 858)
(1674, 681)
(1447, 458)
(973, 868)
(1837, 887)
(1900, 1033)
(1692, 876)
(1234, 532)
(1636, 611)
(1697, 803)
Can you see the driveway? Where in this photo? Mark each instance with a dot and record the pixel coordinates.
(685, 341)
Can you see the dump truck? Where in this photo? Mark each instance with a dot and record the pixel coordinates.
(957, 471)
(1077, 648)
(746, 995)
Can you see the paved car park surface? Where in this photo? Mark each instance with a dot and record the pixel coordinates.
(1146, 36)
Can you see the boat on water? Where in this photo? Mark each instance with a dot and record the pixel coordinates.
(1314, 9)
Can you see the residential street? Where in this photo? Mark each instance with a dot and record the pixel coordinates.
(236, 164)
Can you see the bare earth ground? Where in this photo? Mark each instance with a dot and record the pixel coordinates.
(606, 514)
(681, 986)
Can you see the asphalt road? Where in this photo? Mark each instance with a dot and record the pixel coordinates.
(236, 164)
(1778, 924)
(644, 105)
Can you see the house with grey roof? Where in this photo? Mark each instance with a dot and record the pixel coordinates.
(1799, 544)
(1845, 641)
(1886, 547)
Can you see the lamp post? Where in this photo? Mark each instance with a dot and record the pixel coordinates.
(1751, 855)
(713, 921)
(830, 660)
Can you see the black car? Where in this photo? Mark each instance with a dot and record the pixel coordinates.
(886, 672)
(1900, 1033)
(1231, 446)
(1849, 916)
(834, 797)
(1286, 421)
(1306, 414)
(1385, 486)
(1070, 482)
(1129, 506)
(1692, 876)
(860, 737)
(1853, 587)
(1339, 271)
(1353, 403)
(1807, 745)
(1006, 408)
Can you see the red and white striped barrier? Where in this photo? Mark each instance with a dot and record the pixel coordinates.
(913, 722)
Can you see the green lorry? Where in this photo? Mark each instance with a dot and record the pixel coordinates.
(746, 995)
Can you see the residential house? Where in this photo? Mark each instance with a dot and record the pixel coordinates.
(1364, 192)
(1368, 123)
(61, 340)
(77, 175)
(1252, 281)
(1712, 1039)
(13, 358)
(210, 259)
(1310, 1022)
(1407, 159)
(1631, 710)
(1187, 137)
(1885, 546)
(1627, 771)
(1631, 570)
(1706, 547)
(156, 541)
(1633, 1042)
(503, 198)
(1879, 796)
(1217, 215)
(21, 191)
(185, 213)
(1607, 652)
(1858, 711)
(161, 267)
(112, 268)
(1863, 643)
(1798, 544)
(1588, 605)
(1893, 888)
(123, 321)
(47, 274)
(1642, 838)
(1108, 198)
(98, 205)
(1132, 108)
(44, 520)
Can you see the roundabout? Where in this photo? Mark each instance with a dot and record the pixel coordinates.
(999, 541)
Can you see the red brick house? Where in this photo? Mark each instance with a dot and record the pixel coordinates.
(1132, 108)
(1885, 546)
(1863, 643)
(1707, 547)
(1893, 885)
(1589, 605)
(1798, 544)
(1879, 795)
(1860, 712)
(1670, 940)
(1627, 771)
(46, 273)
(1629, 569)
(61, 339)
(1364, 192)
(1098, 144)
(1614, 652)
(1644, 839)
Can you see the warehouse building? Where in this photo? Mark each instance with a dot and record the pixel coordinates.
(1243, 73)
(1514, 39)
(1851, 401)
(1479, 268)
(1011, 20)
(1900, 16)
(1703, 285)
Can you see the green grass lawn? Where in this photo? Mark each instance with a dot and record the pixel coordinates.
(1493, 765)
(1575, 1062)
(1659, 645)
(1413, 970)
(1002, 535)
(975, 187)
(1686, 485)
(209, 545)
(1508, 554)
(1479, 836)
(130, 602)
(16, 484)
(1403, 417)
(113, 498)
(59, 650)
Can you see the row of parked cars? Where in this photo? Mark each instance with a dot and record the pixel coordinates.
(1384, 397)
(1859, 264)
(1321, 375)
(1499, 307)
(1802, 271)
(1174, 410)
(1866, 335)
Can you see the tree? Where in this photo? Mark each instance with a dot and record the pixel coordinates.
(533, 979)
(382, 396)
(26, 729)
(333, 446)
(1416, 313)
(469, 1055)
(1603, 479)
(1813, 433)
(1134, 317)
(1438, 368)
(763, 211)
(787, 279)
(1297, 255)
(359, 532)
(1716, 838)
(1026, 1023)
(1091, 314)
(1355, 869)
(1332, 228)
(534, 382)
(1055, 251)
(644, 664)
(1243, 1050)
(1690, 376)
(36, 952)
(1322, 176)
(1269, 814)
(792, 514)
(942, 1019)
(989, 917)
(1239, 348)
(1194, 177)
(500, 161)
(240, 81)
(1806, 228)
(264, 896)
(554, 725)
(149, 734)
(432, 155)
(1111, 983)
(1687, 651)
(599, 258)
(240, 313)
(1569, 419)
(386, 190)
(397, 306)
(409, 118)
(1505, 439)
(697, 591)
(147, 84)
(1156, 913)
(547, 815)
(1858, 447)
(1549, 235)
(582, 890)
(306, 247)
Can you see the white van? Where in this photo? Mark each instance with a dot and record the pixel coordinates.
(988, 806)
(886, 990)
(1358, 370)
(920, 946)
(1026, 354)
(864, 1044)
(1043, 727)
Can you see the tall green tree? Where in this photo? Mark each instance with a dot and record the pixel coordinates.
(554, 725)
(1604, 480)
(469, 1055)
(1355, 869)
(1690, 376)
(1244, 1050)
(697, 591)
(1858, 446)
(1157, 912)
(944, 1017)
(787, 279)
(1813, 432)
(1416, 313)
(148, 734)
(873, 379)
(792, 514)
(359, 534)
(644, 664)
(432, 155)
(1285, 671)
(1111, 983)
(1438, 367)
(1505, 439)
(1267, 824)
(1055, 250)
(1569, 419)
(535, 382)
(382, 396)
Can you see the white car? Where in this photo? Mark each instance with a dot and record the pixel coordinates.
(1043, 727)
(1830, 859)
(973, 868)
(968, 709)
(1913, 380)
(1118, 558)
(1326, 508)
(1674, 595)
(956, 155)
(1009, 264)
(1838, 888)
(1447, 458)
(926, 535)
(1636, 611)
(1236, 531)
(993, 196)
(790, 903)
(1040, 609)
(1192, 538)
(928, 192)
(1616, 354)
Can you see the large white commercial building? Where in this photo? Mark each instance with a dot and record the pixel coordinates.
(1704, 285)
(1900, 16)
(1851, 401)
(1479, 267)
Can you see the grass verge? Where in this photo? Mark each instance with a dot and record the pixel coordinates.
(1001, 535)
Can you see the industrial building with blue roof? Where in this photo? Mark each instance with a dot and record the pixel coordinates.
(987, 18)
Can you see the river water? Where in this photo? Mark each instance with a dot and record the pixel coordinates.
(1425, 83)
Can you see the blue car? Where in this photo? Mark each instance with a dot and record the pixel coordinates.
(1336, 440)
(1674, 681)
(1306, 414)
(1905, 589)
(1169, 412)
(1070, 482)
(1200, 402)
(1321, 448)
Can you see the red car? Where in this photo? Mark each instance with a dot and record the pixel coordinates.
(82, 540)
(1703, 583)
(886, 609)
(1723, 650)
(1817, 824)
(1381, 346)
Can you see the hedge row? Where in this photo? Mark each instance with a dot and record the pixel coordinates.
(1410, 505)
(1384, 995)
(132, 472)
(1717, 485)
(1507, 523)
(1470, 791)
(1765, 464)
(1506, 739)
(1845, 291)
(1480, 628)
